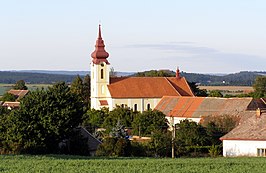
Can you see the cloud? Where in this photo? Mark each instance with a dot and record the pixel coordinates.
(177, 47)
(194, 58)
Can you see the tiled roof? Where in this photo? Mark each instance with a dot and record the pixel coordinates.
(253, 128)
(196, 107)
(18, 93)
(148, 87)
(11, 104)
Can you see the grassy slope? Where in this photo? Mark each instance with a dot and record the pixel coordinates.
(59, 163)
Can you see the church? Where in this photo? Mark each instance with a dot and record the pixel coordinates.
(138, 93)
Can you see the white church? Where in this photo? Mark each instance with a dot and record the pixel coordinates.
(138, 93)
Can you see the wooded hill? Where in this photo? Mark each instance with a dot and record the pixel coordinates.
(244, 78)
(34, 78)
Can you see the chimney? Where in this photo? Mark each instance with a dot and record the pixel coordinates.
(177, 74)
(258, 113)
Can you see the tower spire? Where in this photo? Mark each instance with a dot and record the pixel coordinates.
(99, 54)
(100, 33)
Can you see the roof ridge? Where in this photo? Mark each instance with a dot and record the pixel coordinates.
(188, 86)
(263, 100)
(166, 78)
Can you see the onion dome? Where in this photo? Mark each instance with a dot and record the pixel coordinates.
(99, 55)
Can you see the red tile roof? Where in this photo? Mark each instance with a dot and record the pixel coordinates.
(11, 104)
(197, 107)
(18, 93)
(148, 87)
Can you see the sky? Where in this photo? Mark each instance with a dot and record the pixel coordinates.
(206, 36)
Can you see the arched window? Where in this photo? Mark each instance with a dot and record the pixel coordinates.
(148, 106)
(101, 73)
(135, 107)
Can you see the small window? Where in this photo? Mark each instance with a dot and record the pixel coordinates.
(101, 73)
(261, 152)
(148, 106)
(102, 64)
(135, 107)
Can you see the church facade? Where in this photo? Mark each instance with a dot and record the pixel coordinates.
(138, 93)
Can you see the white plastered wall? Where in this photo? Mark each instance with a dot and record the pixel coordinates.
(236, 148)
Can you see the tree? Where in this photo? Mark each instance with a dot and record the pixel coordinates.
(225, 122)
(156, 73)
(149, 121)
(94, 118)
(197, 92)
(86, 90)
(45, 118)
(113, 146)
(215, 93)
(77, 87)
(260, 87)
(4, 116)
(8, 97)
(160, 144)
(123, 115)
(20, 85)
(113, 72)
(217, 126)
(82, 89)
(190, 133)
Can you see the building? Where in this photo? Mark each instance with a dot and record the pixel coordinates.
(248, 138)
(197, 108)
(138, 93)
(18, 94)
(11, 105)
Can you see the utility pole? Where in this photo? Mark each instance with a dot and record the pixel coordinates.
(173, 136)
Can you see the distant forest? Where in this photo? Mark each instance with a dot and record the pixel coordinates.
(34, 78)
(243, 78)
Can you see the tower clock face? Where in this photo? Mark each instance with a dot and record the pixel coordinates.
(102, 64)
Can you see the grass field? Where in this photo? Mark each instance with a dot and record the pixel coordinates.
(6, 87)
(59, 163)
(233, 90)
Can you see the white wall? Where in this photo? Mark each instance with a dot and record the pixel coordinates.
(234, 148)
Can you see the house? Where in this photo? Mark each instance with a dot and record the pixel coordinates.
(138, 93)
(248, 138)
(18, 93)
(197, 108)
(11, 105)
(92, 142)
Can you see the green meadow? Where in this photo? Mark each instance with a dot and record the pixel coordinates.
(62, 163)
(5, 87)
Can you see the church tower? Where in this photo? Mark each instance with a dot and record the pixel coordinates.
(99, 73)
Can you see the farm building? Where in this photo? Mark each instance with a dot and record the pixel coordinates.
(18, 94)
(138, 93)
(197, 108)
(11, 105)
(248, 138)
